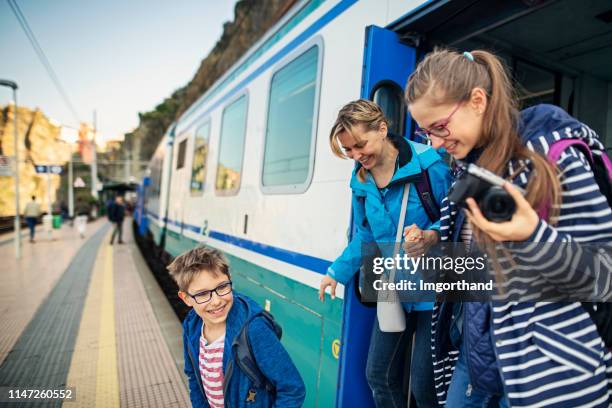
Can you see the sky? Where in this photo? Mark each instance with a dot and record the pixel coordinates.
(115, 57)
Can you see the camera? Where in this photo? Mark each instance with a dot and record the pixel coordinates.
(486, 188)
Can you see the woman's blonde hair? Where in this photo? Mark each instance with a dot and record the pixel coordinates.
(447, 76)
(361, 112)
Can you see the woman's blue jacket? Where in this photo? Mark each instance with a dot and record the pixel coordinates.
(376, 211)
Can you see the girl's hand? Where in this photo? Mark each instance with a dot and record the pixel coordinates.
(325, 282)
(523, 223)
(417, 242)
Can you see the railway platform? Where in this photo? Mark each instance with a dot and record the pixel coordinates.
(82, 315)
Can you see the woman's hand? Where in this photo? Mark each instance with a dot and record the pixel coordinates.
(522, 225)
(417, 242)
(325, 282)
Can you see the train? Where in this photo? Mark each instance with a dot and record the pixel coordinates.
(247, 169)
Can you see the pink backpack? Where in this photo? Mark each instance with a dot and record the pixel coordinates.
(600, 312)
(600, 164)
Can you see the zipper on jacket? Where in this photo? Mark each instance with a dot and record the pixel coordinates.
(493, 344)
(226, 380)
(466, 350)
(196, 369)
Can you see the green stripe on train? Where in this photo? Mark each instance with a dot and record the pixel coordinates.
(155, 231)
(311, 329)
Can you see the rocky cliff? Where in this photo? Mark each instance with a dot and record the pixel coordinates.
(39, 143)
(252, 18)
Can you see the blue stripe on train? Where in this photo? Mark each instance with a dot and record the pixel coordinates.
(294, 258)
(311, 263)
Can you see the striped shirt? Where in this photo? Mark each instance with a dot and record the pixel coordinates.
(549, 354)
(211, 370)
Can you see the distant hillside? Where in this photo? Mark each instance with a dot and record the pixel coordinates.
(252, 18)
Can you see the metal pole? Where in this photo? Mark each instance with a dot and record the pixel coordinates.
(50, 206)
(126, 167)
(17, 208)
(70, 189)
(94, 163)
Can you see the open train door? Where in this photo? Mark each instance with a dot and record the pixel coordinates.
(387, 64)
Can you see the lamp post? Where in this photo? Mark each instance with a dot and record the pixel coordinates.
(13, 86)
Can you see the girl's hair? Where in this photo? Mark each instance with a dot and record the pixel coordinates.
(449, 77)
(361, 112)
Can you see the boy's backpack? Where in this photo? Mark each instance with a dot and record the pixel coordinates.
(243, 352)
(601, 312)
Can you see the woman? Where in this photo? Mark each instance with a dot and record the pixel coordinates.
(384, 165)
(489, 354)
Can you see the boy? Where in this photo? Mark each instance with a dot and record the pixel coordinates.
(218, 315)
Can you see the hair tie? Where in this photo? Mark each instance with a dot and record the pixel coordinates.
(468, 55)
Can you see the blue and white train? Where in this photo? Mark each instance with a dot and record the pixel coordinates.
(247, 168)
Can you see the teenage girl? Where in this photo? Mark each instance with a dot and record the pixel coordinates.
(536, 354)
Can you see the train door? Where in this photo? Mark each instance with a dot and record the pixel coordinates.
(387, 64)
(558, 52)
(179, 184)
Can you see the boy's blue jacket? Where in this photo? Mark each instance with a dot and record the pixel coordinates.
(376, 212)
(272, 359)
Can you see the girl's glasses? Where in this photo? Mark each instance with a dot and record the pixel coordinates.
(440, 129)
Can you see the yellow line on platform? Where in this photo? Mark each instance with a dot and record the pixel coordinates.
(107, 386)
(93, 369)
(82, 373)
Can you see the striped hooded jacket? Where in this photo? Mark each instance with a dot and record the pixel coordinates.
(548, 354)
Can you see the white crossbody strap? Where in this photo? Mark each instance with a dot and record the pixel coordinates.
(400, 228)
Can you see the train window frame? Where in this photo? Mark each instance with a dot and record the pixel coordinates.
(181, 153)
(304, 186)
(231, 101)
(554, 73)
(399, 91)
(206, 122)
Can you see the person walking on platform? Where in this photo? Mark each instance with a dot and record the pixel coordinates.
(80, 221)
(31, 214)
(116, 213)
(526, 351)
(389, 168)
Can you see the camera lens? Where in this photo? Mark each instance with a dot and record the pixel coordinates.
(497, 205)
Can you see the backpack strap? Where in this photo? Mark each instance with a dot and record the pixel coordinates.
(554, 154)
(431, 207)
(557, 148)
(243, 352)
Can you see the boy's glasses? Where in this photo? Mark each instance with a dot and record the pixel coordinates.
(205, 296)
(440, 129)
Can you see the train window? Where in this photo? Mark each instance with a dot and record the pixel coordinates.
(289, 137)
(535, 84)
(180, 160)
(200, 153)
(389, 96)
(231, 147)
